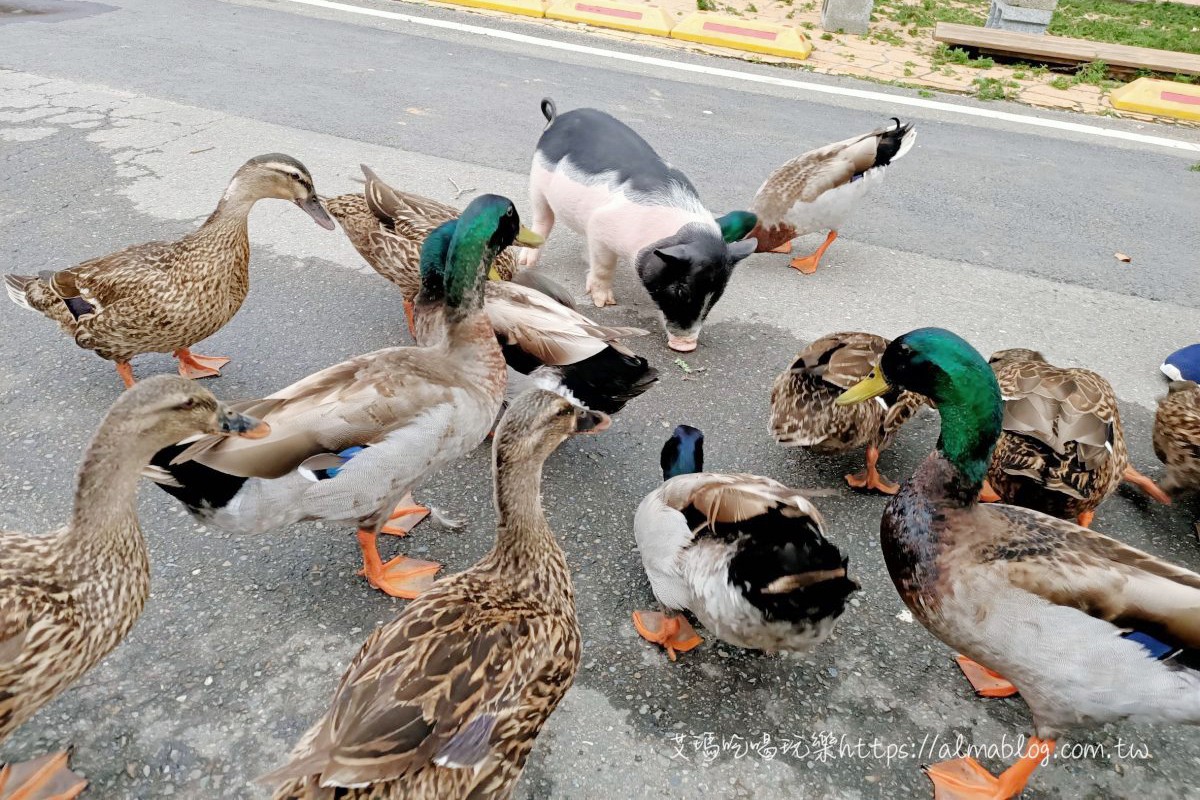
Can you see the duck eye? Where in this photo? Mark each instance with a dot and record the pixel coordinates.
(566, 412)
(188, 404)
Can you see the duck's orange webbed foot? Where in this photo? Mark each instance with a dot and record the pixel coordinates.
(44, 778)
(406, 516)
(1148, 486)
(401, 577)
(674, 633)
(966, 779)
(786, 247)
(126, 373)
(987, 494)
(986, 682)
(1085, 518)
(194, 366)
(870, 478)
(808, 264)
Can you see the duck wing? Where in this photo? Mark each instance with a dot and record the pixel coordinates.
(1073, 566)
(424, 690)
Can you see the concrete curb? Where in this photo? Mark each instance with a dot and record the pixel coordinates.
(638, 18)
(723, 30)
(1158, 97)
(526, 8)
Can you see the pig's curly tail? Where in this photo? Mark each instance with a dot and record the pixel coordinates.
(549, 111)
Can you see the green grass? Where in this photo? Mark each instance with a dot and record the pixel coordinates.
(928, 13)
(1094, 73)
(1194, 167)
(1163, 26)
(924, 93)
(706, 5)
(995, 88)
(887, 36)
(956, 55)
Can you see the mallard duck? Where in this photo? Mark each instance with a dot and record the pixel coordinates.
(745, 554)
(541, 332)
(67, 598)
(163, 297)
(1177, 436)
(388, 226)
(446, 700)
(1090, 630)
(816, 191)
(350, 441)
(1062, 450)
(547, 343)
(803, 412)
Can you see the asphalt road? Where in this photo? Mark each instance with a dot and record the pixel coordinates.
(121, 122)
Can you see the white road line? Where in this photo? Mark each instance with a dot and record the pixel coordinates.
(750, 77)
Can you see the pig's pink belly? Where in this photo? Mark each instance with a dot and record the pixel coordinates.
(622, 226)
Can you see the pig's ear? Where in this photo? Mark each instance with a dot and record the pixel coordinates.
(677, 255)
(739, 250)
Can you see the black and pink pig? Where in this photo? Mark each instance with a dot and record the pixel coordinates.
(593, 173)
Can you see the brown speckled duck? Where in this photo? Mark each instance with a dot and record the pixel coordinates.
(163, 297)
(352, 440)
(1177, 436)
(803, 412)
(1063, 449)
(1089, 629)
(387, 226)
(446, 701)
(817, 190)
(67, 598)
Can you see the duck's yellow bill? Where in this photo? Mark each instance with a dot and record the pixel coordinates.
(527, 238)
(871, 386)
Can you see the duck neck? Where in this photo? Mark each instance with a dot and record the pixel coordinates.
(971, 424)
(474, 334)
(103, 546)
(525, 545)
(234, 208)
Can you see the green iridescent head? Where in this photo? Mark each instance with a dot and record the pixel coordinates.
(736, 225)
(434, 250)
(459, 254)
(942, 366)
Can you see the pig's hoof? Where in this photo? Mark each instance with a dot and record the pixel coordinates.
(601, 299)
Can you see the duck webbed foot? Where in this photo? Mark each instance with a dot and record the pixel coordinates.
(671, 631)
(870, 478)
(44, 778)
(406, 516)
(194, 366)
(808, 264)
(401, 577)
(1148, 486)
(986, 682)
(966, 779)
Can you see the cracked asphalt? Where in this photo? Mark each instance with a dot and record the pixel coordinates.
(122, 121)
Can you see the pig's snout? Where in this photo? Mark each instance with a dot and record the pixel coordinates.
(682, 344)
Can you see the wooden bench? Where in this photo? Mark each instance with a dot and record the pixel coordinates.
(1064, 51)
